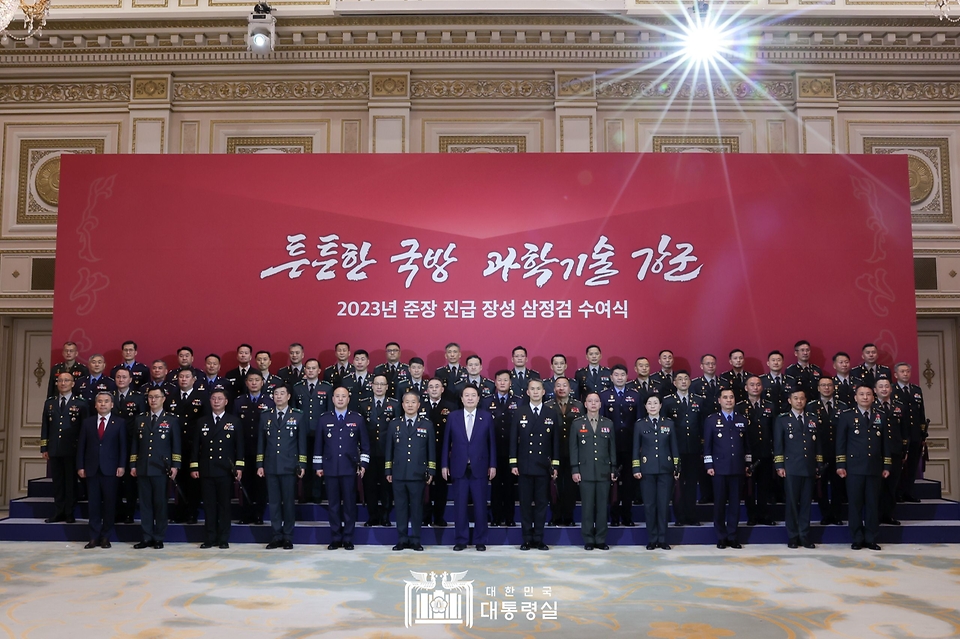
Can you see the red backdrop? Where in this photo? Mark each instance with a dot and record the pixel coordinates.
(697, 253)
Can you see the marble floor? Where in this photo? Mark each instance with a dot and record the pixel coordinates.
(60, 590)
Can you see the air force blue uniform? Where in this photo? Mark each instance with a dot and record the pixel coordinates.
(726, 450)
(342, 447)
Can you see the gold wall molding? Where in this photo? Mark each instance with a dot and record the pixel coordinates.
(269, 90)
(151, 89)
(483, 89)
(639, 90)
(576, 85)
(928, 166)
(281, 144)
(389, 86)
(38, 183)
(483, 144)
(688, 143)
(820, 87)
(65, 92)
(896, 91)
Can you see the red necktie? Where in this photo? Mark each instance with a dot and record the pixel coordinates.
(103, 426)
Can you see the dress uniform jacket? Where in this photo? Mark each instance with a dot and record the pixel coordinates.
(688, 421)
(190, 410)
(846, 392)
(248, 410)
(238, 377)
(175, 373)
(341, 449)
(550, 382)
(590, 381)
(270, 383)
(411, 452)
(592, 454)
(726, 447)
(335, 374)
(574, 409)
(291, 374)
(737, 381)
(282, 447)
(167, 388)
(709, 389)
(827, 426)
(862, 443)
(377, 422)
(131, 405)
(645, 389)
(312, 404)
(502, 419)
(484, 386)
(760, 421)
(395, 373)
(808, 378)
(208, 386)
(60, 429)
(139, 374)
(655, 450)
(897, 423)
(78, 370)
(518, 386)
(535, 441)
(621, 408)
(663, 382)
(451, 379)
(88, 388)
(218, 449)
(863, 375)
(777, 391)
(797, 448)
(419, 387)
(359, 389)
(155, 447)
(911, 396)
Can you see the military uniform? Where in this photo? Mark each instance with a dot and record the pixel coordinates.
(593, 454)
(503, 489)
(248, 409)
(168, 389)
(451, 378)
(342, 447)
(622, 409)
(862, 445)
(687, 417)
(395, 373)
(155, 448)
(139, 373)
(663, 382)
(270, 383)
(189, 411)
(238, 377)
(59, 435)
(312, 402)
(419, 387)
(799, 452)
(832, 488)
(335, 374)
(128, 407)
(655, 454)
(282, 454)
(439, 489)
(518, 382)
(209, 385)
(807, 378)
(411, 458)
(899, 440)
(359, 389)
(644, 388)
(738, 382)
(534, 452)
(726, 450)
(376, 488)
(761, 482)
(869, 375)
(566, 489)
(291, 374)
(548, 388)
(911, 396)
(710, 389)
(845, 390)
(484, 386)
(591, 379)
(175, 373)
(776, 390)
(218, 452)
(78, 370)
(88, 387)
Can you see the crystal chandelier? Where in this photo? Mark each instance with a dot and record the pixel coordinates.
(945, 9)
(34, 16)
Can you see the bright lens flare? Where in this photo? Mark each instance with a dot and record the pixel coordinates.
(704, 42)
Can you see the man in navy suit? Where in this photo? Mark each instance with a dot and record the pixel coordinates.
(469, 460)
(100, 460)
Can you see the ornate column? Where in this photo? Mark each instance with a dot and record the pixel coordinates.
(576, 109)
(150, 99)
(389, 112)
(817, 112)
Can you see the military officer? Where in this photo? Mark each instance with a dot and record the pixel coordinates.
(218, 449)
(737, 376)
(139, 372)
(335, 373)
(63, 414)
(568, 409)
(68, 365)
(484, 386)
(558, 364)
(620, 405)
(128, 404)
(520, 374)
(270, 381)
(189, 405)
(869, 371)
(760, 414)
(211, 379)
(832, 488)
(806, 374)
(238, 375)
(158, 379)
(393, 369)
(911, 397)
(642, 383)
(248, 407)
(842, 381)
(293, 372)
(378, 411)
(899, 440)
(776, 385)
(663, 379)
(417, 382)
(534, 458)
(342, 452)
(654, 465)
(687, 412)
(503, 491)
(437, 410)
(726, 455)
(155, 458)
(411, 465)
(313, 397)
(593, 465)
(451, 374)
(282, 459)
(95, 381)
(797, 457)
(360, 381)
(185, 361)
(862, 460)
(708, 385)
(592, 378)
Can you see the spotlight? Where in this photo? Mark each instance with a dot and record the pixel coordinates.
(261, 29)
(703, 40)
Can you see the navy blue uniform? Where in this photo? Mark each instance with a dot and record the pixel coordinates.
(590, 379)
(622, 409)
(503, 491)
(342, 447)
(726, 450)
(59, 434)
(655, 455)
(761, 483)
(832, 493)
(411, 458)
(534, 452)
(218, 449)
(88, 387)
(376, 489)
(248, 409)
(798, 452)
(687, 415)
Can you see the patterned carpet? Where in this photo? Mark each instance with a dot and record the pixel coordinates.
(59, 590)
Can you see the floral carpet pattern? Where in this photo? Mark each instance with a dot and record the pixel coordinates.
(60, 590)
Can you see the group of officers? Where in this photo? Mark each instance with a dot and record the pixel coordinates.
(349, 433)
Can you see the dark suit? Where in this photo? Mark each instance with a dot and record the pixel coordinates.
(59, 435)
(469, 461)
(218, 450)
(534, 452)
(100, 459)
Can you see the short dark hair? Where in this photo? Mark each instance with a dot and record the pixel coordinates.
(592, 346)
(840, 354)
(868, 345)
(772, 353)
(159, 361)
(682, 371)
(158, 389)
(312, 359)
(800, 343)
(708, 355)
(618, 367)
(736, 350)
(559, 355)
(298, 344)
(518, 348)
(212, 355)
(254, 372)
(285, 387)
(339, 343)
(476, 357)
(389, 344)
(132, 343)
(246, 346)
(666, 350)
(502, 371)
(360, 351)
(451, 344)
(415, 360)
(469, 387)
(641, 357)
(267, 353)
(410, 392)
(212, 393)
(184, 348)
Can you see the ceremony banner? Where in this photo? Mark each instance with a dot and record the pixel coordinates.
(692, 252)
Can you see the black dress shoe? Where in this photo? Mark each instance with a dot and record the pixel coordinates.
(511, 524)
(333, 545)
(630, 523)
(385, 522)
(207, 544)
(426, 522)
(734, 545)
(398, 547)
(542, 546)
(157, 545)
(826, 522)
(274, 544)
(348, 546)
(679, 524)
(417, 547)
(751, 522)
(665, 546)
(243, 521)
(481, 547)
(287, 545)
(615, 522)
(793, 544)
(721, 545)
(870, 546)
(128, 520)
(768, 522)
(460, 547)
(809, 544)
(440, 523)
(524, 546)
(54, 520)
(106, 544)
(856, 546)
(93, 543)
(142, 545)
(224, 546)
(890, 521)
(588, 546)
(601, 546)
(70, 519)
(553, 524)
(838, 522)
(651, 546)
(369, 524)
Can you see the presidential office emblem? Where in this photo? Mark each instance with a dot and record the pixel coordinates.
(426, 604)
